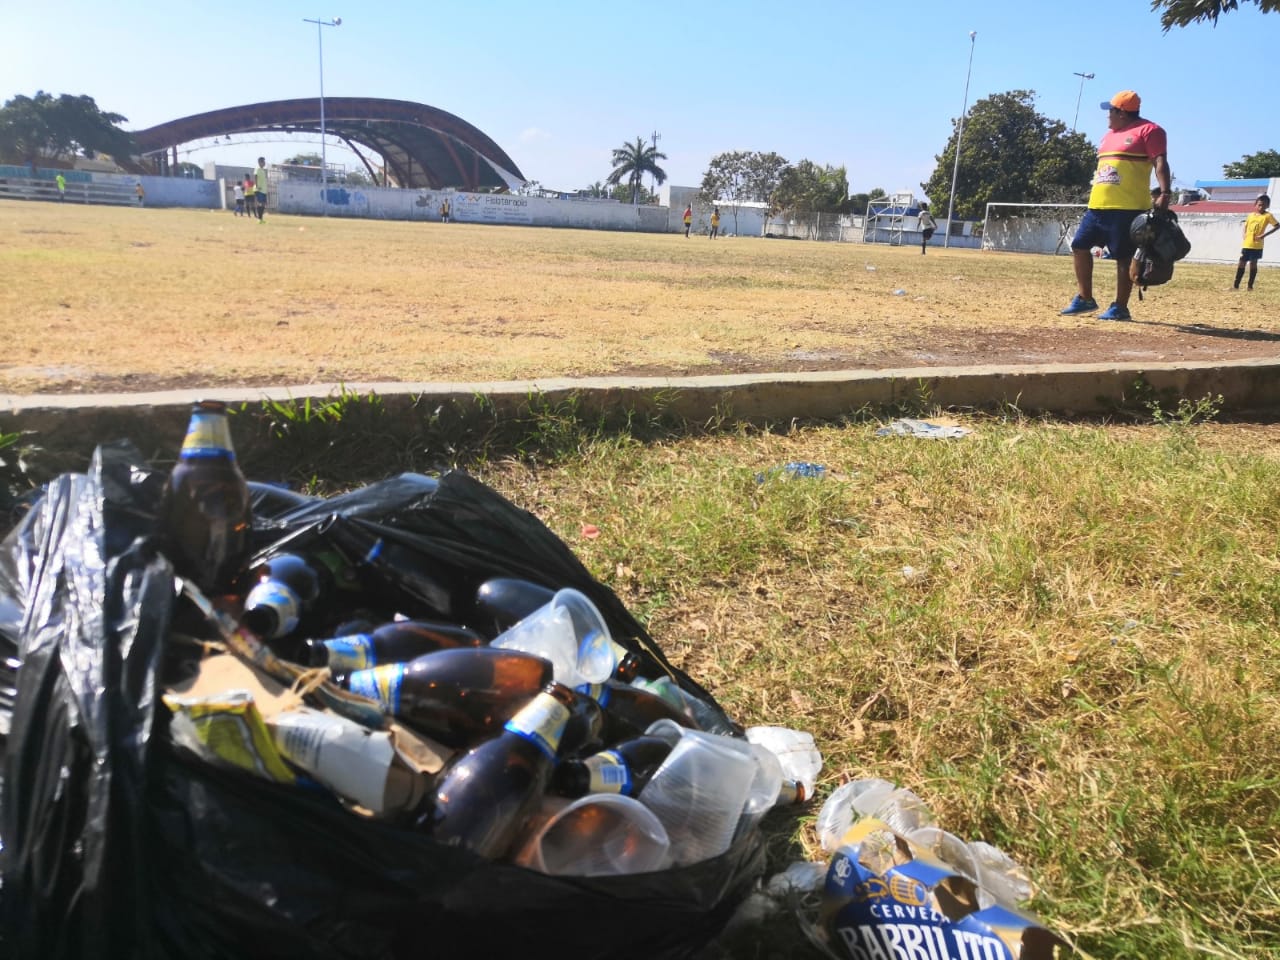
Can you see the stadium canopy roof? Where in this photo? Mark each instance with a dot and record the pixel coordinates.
(420, 145)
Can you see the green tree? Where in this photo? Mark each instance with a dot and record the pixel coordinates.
(304, 160)
(859, 202)
(58, 128)
(809, 188)
(1183, 13)
(625, 193)
(632, 161)
(1264, 164)
(739, 177)
(358, 178)
(1011, 154)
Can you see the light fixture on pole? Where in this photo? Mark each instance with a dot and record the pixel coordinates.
(1083, 77)
(324, 164)
(955, 170)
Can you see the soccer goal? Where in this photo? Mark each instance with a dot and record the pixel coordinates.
(1031, 227)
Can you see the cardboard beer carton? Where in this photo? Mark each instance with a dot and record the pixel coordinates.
(230, 713)
(887, 898)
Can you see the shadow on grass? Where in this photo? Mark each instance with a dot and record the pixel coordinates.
(1207, 330)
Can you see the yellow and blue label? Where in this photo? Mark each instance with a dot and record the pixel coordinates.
(541, 722)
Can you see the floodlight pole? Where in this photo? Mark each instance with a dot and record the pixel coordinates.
(1083, 77)
(955, 170)
(324, 158)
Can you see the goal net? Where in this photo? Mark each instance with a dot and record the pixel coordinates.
(1031, 227)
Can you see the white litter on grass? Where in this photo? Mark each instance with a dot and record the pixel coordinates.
(923, 428)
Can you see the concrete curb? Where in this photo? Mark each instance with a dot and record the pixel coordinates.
(1251, 385)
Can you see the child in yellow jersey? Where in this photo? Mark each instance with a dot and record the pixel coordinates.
(1255, 231)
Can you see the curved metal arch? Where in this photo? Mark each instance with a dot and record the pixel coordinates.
(422, 146)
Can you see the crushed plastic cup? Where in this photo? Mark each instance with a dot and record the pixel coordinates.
(948, 848)
(569, 631)
(795, 750)
(847, 803)
(1000, 877)
(700, 793)
(601, 834)
(709, 789)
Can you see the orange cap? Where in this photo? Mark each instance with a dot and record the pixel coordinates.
(1125, 100)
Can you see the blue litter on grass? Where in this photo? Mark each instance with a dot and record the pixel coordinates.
(795, 468)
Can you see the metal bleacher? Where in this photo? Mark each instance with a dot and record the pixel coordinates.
(17, 183)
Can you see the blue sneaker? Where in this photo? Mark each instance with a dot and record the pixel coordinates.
(1115, 312)
(1080, 304)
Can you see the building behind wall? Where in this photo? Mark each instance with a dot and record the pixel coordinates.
(746, 219)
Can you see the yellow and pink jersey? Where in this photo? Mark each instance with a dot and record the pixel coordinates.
(1125, 161)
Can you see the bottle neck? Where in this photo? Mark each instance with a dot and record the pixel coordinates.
(208, 437)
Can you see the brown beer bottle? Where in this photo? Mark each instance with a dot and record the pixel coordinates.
(422, 586)
(502, 602)
(483, 798)
(285, 587)
(628, 711)
(396, 642)
(458, 696)
(625, 768)
(204, 515)
(582, 734)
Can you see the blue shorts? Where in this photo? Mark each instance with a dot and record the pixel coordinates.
(1107, 228)
(1250, 256)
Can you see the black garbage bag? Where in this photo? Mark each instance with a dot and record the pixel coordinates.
(116, 843)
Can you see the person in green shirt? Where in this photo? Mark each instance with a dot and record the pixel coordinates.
(61, 181)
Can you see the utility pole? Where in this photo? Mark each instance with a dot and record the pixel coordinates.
(656, 137)
(955, 170)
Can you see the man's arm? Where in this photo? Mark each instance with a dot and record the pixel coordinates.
(1166, 183)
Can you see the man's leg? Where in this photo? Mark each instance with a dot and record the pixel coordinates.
(1082, 261)
(1239, 274)
(1253, 272)
(1124, 286)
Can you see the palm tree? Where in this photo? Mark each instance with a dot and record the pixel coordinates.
(632, 161)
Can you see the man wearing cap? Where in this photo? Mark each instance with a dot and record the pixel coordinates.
(1129, 151)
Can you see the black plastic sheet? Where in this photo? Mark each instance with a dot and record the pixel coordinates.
(116, 843)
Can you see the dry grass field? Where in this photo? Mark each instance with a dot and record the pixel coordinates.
(99, 299)
(1062, 635)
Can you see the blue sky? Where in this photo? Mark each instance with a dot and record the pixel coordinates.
(870, 86)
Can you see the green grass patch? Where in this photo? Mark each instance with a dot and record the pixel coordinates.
(1063, 636)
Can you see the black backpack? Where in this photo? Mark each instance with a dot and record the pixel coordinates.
(1161, 243)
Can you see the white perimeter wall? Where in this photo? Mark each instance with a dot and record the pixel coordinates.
(390, 203)
(1215, 237)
